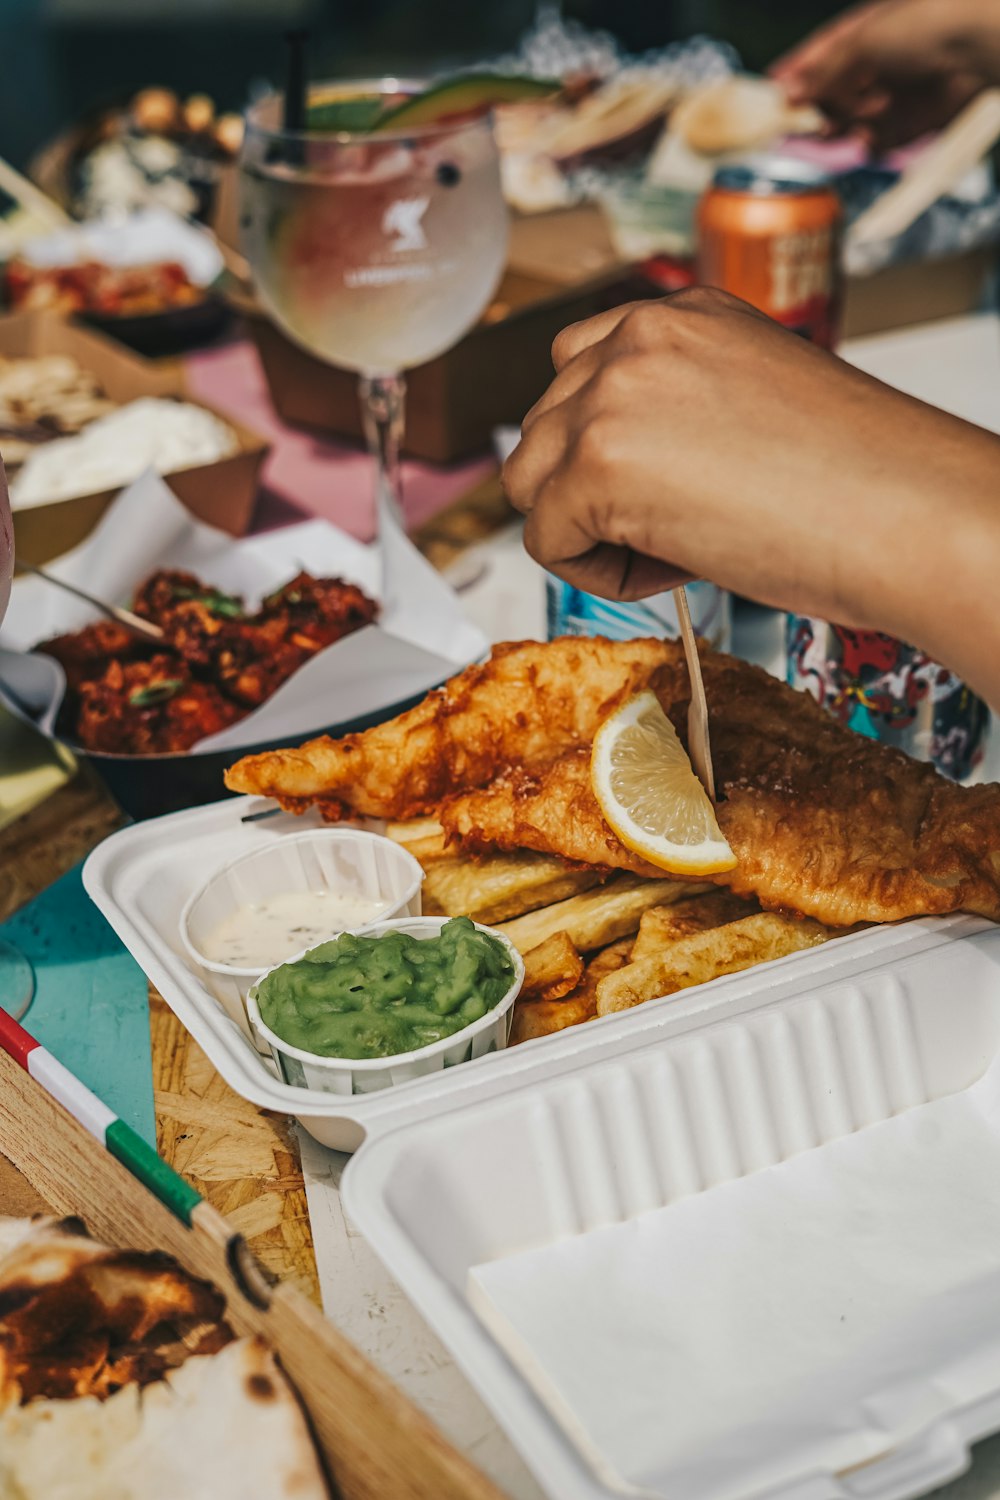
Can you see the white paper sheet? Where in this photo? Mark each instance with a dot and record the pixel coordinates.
(421, 638)
(807, 1318)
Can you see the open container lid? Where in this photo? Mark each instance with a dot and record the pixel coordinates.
(795, 1169)
(740, 1244)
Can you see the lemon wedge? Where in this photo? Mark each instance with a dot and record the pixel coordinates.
(650, 796)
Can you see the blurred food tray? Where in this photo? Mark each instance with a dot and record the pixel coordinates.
(221, 493)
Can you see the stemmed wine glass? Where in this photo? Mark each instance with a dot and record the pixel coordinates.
(17, 977)
(374, 249)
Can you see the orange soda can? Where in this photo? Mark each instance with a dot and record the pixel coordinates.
(769, 232)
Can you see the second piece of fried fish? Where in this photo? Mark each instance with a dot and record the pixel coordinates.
(822, 821)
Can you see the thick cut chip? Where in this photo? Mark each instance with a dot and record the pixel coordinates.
(663, 925)
(599, 916)
(707, 955)
(607, 960)
(501, 886)
(536, 1018)
(412, 830)
(429, 850)
(552, 969)
(421, 837)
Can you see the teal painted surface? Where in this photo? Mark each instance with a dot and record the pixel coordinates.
(91, 1005)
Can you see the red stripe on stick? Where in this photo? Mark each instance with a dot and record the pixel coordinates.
(15, 1040)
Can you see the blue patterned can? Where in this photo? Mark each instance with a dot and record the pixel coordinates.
(891, 692)
(570, 611)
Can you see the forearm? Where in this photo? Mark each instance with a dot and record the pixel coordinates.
(693, 435)
(970, 36)
(923, 563)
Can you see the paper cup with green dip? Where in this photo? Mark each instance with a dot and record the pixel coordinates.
(396, 1001)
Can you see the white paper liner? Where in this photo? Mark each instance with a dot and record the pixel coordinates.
(145, 237)
(421, 638)
(324, 859)
(719, 1345)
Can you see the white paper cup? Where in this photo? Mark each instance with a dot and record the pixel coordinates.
(351, 1075)
(320, 859)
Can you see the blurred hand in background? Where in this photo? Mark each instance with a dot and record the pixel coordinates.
(894, 69)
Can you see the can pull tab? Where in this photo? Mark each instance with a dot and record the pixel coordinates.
(699, 746)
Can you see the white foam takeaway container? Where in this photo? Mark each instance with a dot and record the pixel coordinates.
(851, 1091)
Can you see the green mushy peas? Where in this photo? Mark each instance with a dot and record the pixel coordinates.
(360, 996)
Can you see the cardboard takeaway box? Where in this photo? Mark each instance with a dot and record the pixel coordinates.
(559, 245)
(554, 245)
(221, 493)
(561, 268)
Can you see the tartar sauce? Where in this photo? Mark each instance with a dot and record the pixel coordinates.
(266, 934)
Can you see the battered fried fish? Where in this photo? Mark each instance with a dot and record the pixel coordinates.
(551, 809)
(822, 821)
(523, 707)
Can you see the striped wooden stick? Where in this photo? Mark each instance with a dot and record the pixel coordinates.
(98, 1120)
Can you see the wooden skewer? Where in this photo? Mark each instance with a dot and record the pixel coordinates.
(699, 746)
(957, 149)
(125, 617)
(236, 264)
(31, 197)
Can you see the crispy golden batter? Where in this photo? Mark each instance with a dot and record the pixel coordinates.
(822, 821)
(828, 823)
(551, 810)
(523, 707)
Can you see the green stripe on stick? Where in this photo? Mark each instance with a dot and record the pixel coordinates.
(142, 1161)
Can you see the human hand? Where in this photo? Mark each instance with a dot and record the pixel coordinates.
(894, 69)
(694, 436)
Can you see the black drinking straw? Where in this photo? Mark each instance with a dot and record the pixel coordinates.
(295, 81)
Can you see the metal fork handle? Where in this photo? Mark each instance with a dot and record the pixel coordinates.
(124, 617)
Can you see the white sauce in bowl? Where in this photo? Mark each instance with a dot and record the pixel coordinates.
(263, 935)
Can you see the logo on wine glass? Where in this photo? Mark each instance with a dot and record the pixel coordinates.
(402, 220)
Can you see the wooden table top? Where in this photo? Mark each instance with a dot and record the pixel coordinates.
(244, 1160)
